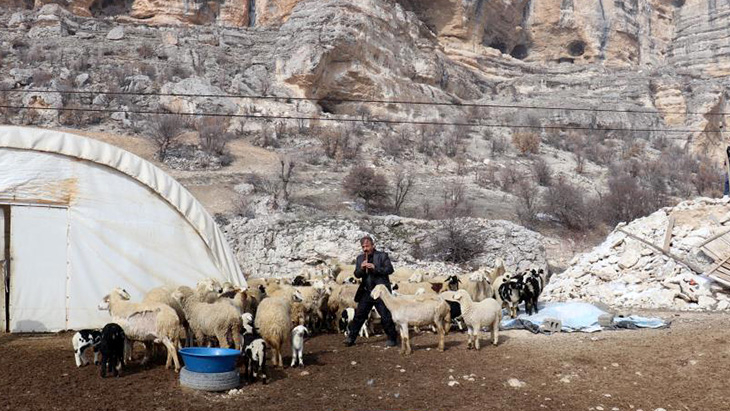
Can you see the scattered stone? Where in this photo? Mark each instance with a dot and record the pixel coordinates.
(515, 383)
(453, 383)
(304, 373)
(81, 79)
(353, 362)
(117, 33)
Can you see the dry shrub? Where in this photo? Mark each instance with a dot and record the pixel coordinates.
(341, 143)
(627, 200)
(569, 206)
(455, 243)
(526, 142)
(363, 182)
(542, 171)
(165, 131)
(213, 134)
(499, 146)
(528, 198)
(146, 51)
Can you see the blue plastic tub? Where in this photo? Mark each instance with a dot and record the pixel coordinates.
(209, 360)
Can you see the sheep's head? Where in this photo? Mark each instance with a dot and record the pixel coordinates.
(178, 295)
(122, 293)
(351, 280)
(297, 296)
(104, 304)
(300, 330)
(378, 291)
(209, 285)
(247, 319)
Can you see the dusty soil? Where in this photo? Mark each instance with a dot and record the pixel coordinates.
(683, 367)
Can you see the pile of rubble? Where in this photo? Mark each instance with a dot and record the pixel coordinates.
(639, 265)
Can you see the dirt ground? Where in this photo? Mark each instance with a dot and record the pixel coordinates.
(684, 367)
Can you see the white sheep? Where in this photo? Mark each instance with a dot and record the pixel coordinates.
(416, 278)
(409, 288)
(477, 314)
(273, 322)
(218, 319)
(478, 286)
(297, 345)
(407, 312)
(163, 295)
(145, 322)
(208, 290)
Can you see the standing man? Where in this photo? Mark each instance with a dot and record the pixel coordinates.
(372, 267)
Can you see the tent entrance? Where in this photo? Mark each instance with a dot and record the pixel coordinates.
(4, 266)
(38, 274)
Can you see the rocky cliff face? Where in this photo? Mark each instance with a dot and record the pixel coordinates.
(284, 246)
(666, 58)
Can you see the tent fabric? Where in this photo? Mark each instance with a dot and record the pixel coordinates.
(129, 223)
(576, 316)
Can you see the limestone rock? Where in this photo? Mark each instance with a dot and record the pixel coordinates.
(629, 258)
(81, 79)
(117, 33)
(193, 87)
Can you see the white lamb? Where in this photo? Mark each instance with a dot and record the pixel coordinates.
(477, 314)
(145, 322)
(297, 345)
(218, 319)
(409, 311)
(273, 322)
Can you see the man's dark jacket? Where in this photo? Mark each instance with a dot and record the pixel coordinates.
(372, 277)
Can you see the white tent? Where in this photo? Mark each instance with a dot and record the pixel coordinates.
(80, 217)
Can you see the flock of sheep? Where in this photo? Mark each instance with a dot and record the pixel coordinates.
(273, 311)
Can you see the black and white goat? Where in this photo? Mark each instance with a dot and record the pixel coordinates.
(111, 346)
(456, 318)
(82, 340)
(254, 350)
(300, 281)
(534, 283)
(525, 287)
(452, 282)
(511, 292)
(348, 314)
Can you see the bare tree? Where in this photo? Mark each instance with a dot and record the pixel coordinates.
(213, 134)
(285, 173)
(403, 182)
(365, 183)
(165, 131)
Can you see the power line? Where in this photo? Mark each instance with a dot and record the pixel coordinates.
(373, 101)
(359, 120)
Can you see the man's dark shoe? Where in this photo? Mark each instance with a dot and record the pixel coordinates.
(391, 343)
(348, 342)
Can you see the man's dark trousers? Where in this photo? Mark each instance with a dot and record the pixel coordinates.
(362, 312)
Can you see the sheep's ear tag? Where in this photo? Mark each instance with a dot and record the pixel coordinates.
(551, 326)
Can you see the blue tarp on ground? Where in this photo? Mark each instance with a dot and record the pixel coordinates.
(576, 316)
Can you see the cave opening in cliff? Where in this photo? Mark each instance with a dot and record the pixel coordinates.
(328, 105)
(577, 48)
(519, 52)
(499, 45)
(678, 3)
(251, 13)
(102, 8)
